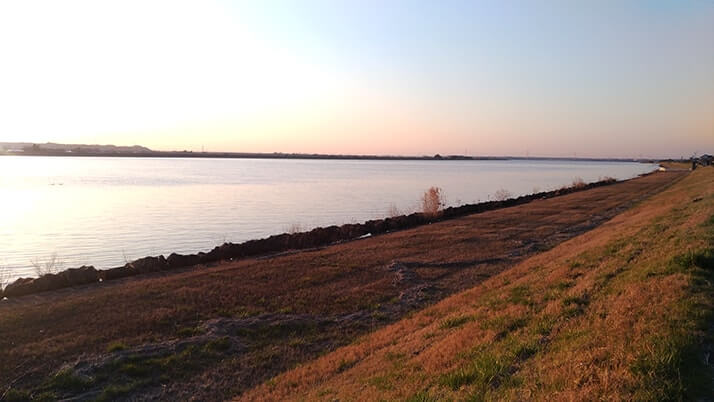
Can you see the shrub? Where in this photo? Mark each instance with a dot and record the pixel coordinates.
(432, 202)
(607, 179)
(502, 195)
(52, 265)
(294, 228)
(4, 277)
(393, 211)
(578, 182)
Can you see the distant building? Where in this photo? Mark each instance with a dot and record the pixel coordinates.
(706, 160)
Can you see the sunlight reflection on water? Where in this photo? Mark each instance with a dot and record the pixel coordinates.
(103, 211)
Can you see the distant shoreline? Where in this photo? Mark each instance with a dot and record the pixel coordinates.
(277, 155)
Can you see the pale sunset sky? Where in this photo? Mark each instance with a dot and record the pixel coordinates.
(547, 78)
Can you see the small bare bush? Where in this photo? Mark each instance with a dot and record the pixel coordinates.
(607, 179)
(502, 195)
(4, 276)
(393, 211)
(578, 182)
(431, 202)
(295, 228)
(52, 265)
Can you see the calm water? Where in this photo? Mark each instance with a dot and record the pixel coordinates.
(105, 211)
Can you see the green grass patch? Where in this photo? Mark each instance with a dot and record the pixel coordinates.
(188, 332)
(543, 326)
(395, 356)
(574, 306)
(672, 365)
(116, 347)
(221, 344)
(504, 325)
(268, 333)
(604, 279)
(576, 300)
(563, 285)
(245, 312)
(455, 322)
(135, 369)
(520, 295)
(115, 391)
(422, 396)
(491, 366)
(17, 395)
(345, 365)
(46, 396)
(127, 373)
(382, 383)
(659, 369)
(286, 310)
(66, 380)
(615, 247)
(325, 392)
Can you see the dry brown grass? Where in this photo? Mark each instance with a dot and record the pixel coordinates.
(673, 165)
(575, 323)
(432, 202)
(337, 280)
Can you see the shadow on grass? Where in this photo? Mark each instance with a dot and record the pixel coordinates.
(677, 364)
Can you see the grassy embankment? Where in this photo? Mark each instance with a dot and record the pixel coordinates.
(214, 331)
(623, 312)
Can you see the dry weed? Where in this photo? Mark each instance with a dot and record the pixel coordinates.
(295, 228)
(502, 195)
(50, 266)
(4, 276)
(578, 182)
(393, 211)
(432, 202)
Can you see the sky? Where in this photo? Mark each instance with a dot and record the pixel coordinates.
(539, 78)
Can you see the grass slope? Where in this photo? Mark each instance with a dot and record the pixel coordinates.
(151, 336)
(623, 312)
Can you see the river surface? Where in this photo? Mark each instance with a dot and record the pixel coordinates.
(68, 212)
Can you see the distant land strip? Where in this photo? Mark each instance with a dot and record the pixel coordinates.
(136, 151)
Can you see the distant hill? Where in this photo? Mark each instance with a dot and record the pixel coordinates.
(51, 147)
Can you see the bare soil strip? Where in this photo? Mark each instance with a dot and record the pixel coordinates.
(212, 332)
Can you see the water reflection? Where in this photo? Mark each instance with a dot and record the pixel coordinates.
(103, 211)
